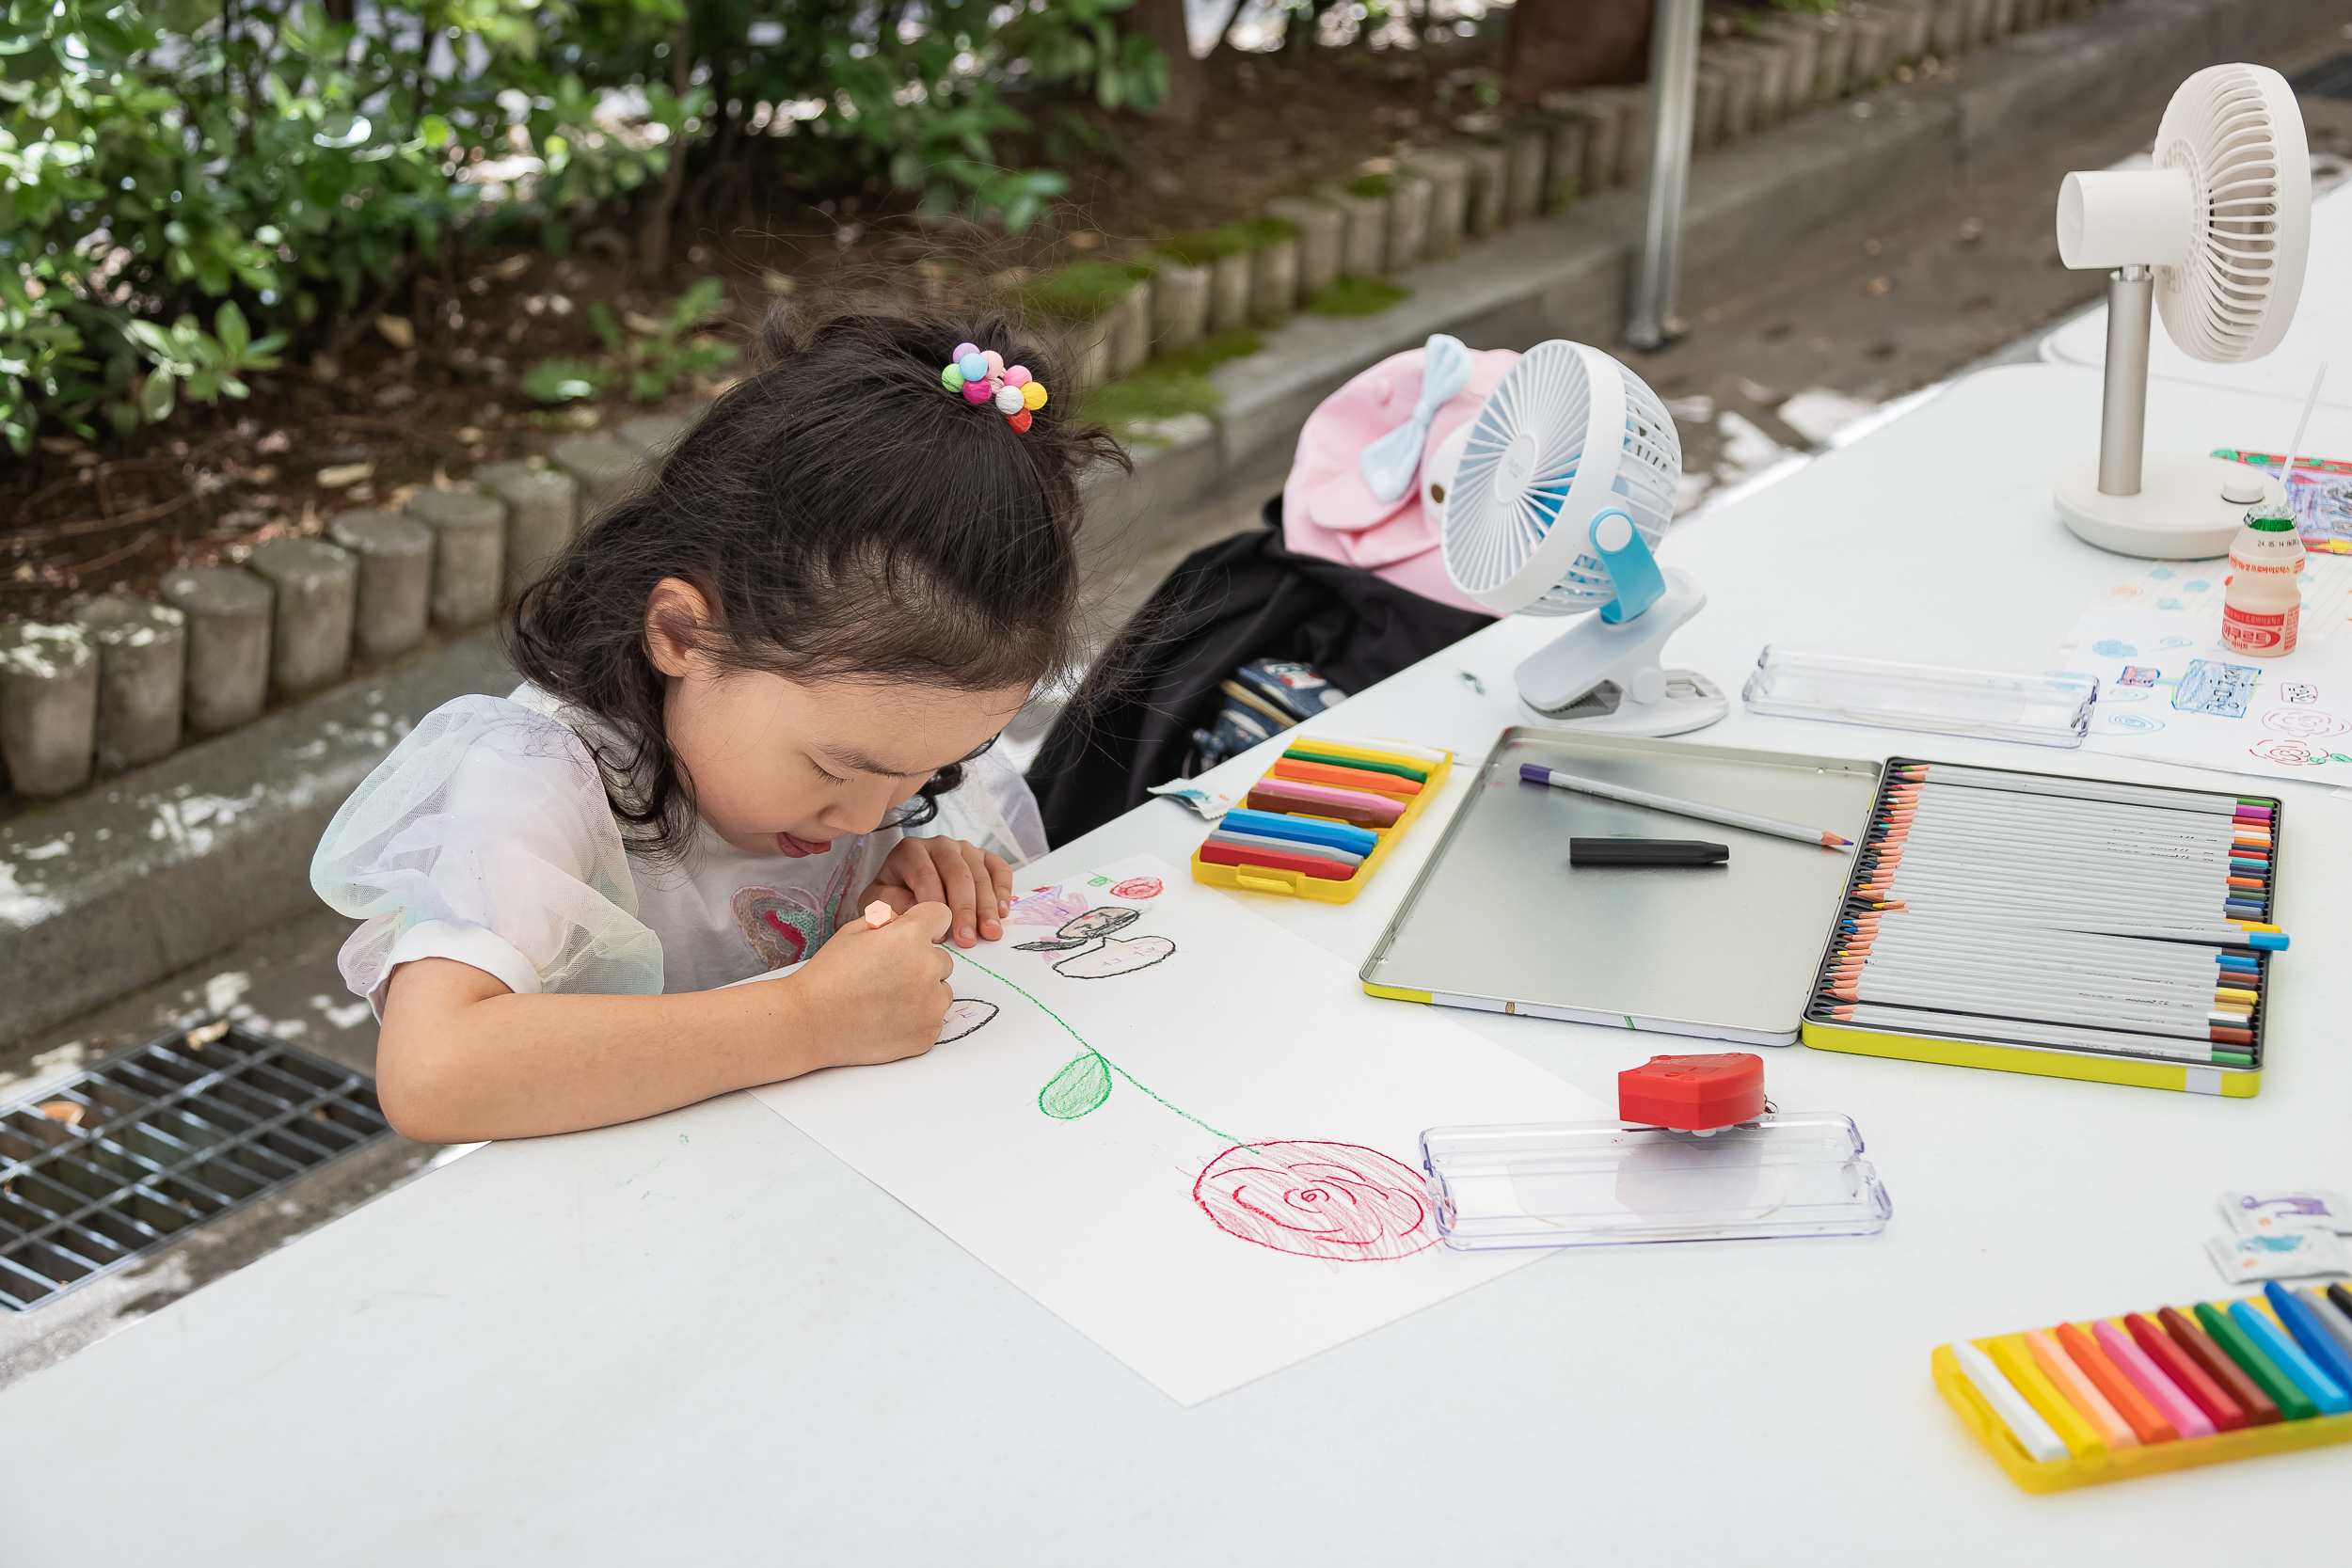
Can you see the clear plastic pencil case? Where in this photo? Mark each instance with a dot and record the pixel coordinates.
(1810, 683)
(1596, 1184)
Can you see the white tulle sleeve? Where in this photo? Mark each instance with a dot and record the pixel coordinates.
(485, 837)
(994, 809)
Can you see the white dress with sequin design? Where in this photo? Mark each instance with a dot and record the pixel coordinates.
(486, 837)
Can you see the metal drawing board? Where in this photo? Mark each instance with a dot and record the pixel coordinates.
(1500, 921)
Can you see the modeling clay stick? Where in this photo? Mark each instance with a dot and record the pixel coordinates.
(1307, 751)
(2328, 1396)
(2226, 1413)
(1675, 806)
(1285, 846)
(879, 914)
(1393, 748)
(2016, 1362)
(2327, 1321)
(2150, 1379)
(2221, 1348)
(2147, 1422)
(2032, 1433)
(2080, 1391)
(1352, 806)
(1306, 864)
(1271, 824)
(1307, 771)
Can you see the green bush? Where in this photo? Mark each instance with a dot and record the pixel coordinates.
(227, 166)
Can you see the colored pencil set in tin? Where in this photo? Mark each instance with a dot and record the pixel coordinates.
(2079, 1403)
(1322, 817)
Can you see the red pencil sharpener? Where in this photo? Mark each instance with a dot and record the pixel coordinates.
(1692, 1094)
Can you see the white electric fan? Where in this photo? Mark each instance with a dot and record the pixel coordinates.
(2217, 233)
(1548, 502)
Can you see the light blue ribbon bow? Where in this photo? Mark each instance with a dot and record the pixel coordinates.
(1390, 463)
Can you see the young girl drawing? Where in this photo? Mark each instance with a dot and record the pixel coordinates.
(742, 685)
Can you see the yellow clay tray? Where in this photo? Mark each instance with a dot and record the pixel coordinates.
(2063, 1475)
(1297, 884)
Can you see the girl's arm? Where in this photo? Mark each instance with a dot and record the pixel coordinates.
(461, 1058)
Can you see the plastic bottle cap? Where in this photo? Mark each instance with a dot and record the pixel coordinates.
(2242, 489)
(2271, 525)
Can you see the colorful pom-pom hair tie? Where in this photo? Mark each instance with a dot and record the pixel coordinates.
(982, 377)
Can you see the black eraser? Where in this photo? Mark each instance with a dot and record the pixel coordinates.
(1646, 851)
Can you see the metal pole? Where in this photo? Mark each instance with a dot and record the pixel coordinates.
(1673, 65)
(2123, 408)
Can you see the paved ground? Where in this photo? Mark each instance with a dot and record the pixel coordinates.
(1769, 370)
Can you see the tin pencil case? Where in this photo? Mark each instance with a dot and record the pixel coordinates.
(2244, 1352)
(1320, 821)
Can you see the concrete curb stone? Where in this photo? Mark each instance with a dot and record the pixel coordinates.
(142, 672)
(229, 617)
(126, 883)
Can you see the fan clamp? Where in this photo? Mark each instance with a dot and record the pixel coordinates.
(1604, 676)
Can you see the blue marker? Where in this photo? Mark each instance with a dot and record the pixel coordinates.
(2323, 1391)
(2309, 1333)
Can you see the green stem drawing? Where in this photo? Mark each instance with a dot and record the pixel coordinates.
(1084, 1082)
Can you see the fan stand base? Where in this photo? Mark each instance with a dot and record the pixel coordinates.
(2178, 515)
(1602, 679)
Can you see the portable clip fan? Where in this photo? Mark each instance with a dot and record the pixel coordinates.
(1548, 502)
(2215, 234)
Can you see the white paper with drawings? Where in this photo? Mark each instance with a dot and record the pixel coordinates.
(2171, 692)
(1182, 1129)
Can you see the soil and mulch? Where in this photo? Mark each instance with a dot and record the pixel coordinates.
(430, 385)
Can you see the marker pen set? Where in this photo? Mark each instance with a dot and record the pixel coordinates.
(2067, 917)
(2078, 1404)
(1322, 817)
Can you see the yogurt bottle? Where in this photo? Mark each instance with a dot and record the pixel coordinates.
(2261, 604)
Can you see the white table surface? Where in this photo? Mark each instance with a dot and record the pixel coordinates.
(2320, 331)
(700, 1339)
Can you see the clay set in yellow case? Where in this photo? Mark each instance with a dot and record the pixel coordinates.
(1318, 824)
(2101, 1406)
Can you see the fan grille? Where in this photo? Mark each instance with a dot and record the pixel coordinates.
(1522, 455)
(2227, 131)
(1650, 471)
(1516, 467)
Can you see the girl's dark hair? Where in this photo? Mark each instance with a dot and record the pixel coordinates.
(847, 515)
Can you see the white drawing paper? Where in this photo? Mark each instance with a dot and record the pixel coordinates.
(2169, 692)
(1185, 1131)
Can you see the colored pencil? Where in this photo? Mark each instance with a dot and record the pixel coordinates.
(2050, 1037)
(2093, 789)
(1703, 812)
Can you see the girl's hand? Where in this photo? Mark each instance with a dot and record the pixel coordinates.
(878, 995)
(976, 886)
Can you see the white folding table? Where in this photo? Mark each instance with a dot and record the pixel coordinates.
(700, 1339)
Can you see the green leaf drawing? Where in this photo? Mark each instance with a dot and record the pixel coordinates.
(1078, 1088)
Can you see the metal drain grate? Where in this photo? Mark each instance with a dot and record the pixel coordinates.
(145, 1146)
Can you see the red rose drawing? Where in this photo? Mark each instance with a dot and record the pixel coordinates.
(1318, 1200)
(1139, 887)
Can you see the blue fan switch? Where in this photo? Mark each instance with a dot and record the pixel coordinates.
(1632, 568)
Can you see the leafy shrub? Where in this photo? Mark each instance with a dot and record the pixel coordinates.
(654, 361)
(162, 160)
